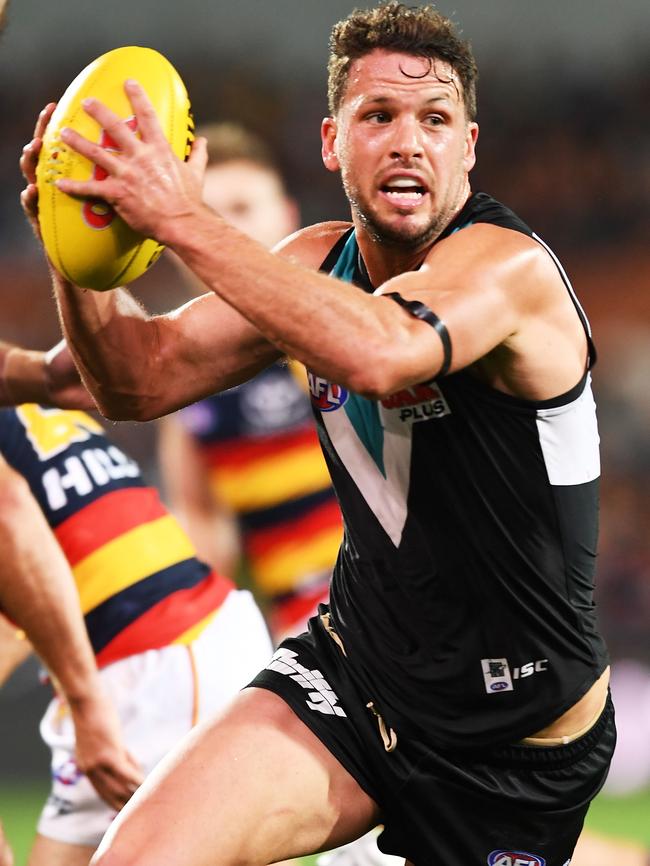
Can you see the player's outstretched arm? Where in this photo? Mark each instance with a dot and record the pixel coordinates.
(48, 378)
(491, 288)
(37, 592)
(365, 343)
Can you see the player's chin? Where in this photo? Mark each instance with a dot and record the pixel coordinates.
(405, 230)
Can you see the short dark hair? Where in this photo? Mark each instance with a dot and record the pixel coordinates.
(418, 30)
(232, 142)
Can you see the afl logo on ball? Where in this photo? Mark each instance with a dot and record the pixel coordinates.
(96, 213)
(326, 396)
(514, 858)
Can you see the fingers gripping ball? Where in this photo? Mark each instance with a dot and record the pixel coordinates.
(84, 238)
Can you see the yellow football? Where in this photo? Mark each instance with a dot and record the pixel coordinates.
(84, 238)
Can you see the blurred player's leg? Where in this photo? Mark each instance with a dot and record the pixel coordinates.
(253, 786)
(50, 852)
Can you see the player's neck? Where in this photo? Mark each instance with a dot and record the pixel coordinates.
(382, 261)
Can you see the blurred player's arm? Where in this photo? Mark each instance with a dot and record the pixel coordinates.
(211, 526)
(6, 855)
(48, 378)
(37, 592)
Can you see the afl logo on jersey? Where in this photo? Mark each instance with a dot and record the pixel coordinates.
(326, 396)
(514, 858)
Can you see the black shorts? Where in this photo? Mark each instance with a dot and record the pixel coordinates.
(516, 805)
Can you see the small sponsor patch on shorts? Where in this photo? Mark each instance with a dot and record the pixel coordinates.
(321, 697)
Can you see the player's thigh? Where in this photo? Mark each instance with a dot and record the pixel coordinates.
(50, 852)
(252, 786)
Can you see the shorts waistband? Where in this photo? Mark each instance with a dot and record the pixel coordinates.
(559, 755)
(569, 738)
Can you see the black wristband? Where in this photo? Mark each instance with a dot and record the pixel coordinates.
(421, 311)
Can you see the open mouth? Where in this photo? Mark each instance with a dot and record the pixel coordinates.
(404, 190)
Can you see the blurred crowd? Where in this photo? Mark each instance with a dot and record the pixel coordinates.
(571, 156)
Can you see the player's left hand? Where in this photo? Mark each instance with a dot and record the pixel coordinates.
(28, 162)
(149, 187)
(100, 754)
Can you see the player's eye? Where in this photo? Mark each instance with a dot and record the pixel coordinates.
(434, 120)
(378, 117)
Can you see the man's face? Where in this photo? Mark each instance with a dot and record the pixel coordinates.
(403, 145)
(251, 199)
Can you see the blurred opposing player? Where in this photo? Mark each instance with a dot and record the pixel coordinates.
(37, 591)
(244, 469)
(174, 640)
(36, 587)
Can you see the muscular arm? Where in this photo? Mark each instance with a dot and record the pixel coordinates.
(141, 366)
(38, 593)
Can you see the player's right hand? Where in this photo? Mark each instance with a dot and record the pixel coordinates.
(28, 162)
(100, 753)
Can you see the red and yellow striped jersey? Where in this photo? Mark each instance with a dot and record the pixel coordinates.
(140, 584)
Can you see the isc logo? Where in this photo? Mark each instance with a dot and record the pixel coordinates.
(514, 858)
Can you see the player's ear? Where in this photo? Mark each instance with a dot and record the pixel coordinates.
(470, 145)
(328, 131)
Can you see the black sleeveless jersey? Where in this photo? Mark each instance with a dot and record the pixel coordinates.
(463, 591)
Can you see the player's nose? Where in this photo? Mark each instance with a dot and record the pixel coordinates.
(407, 138)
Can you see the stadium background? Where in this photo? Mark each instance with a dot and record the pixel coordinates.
(565, 141)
